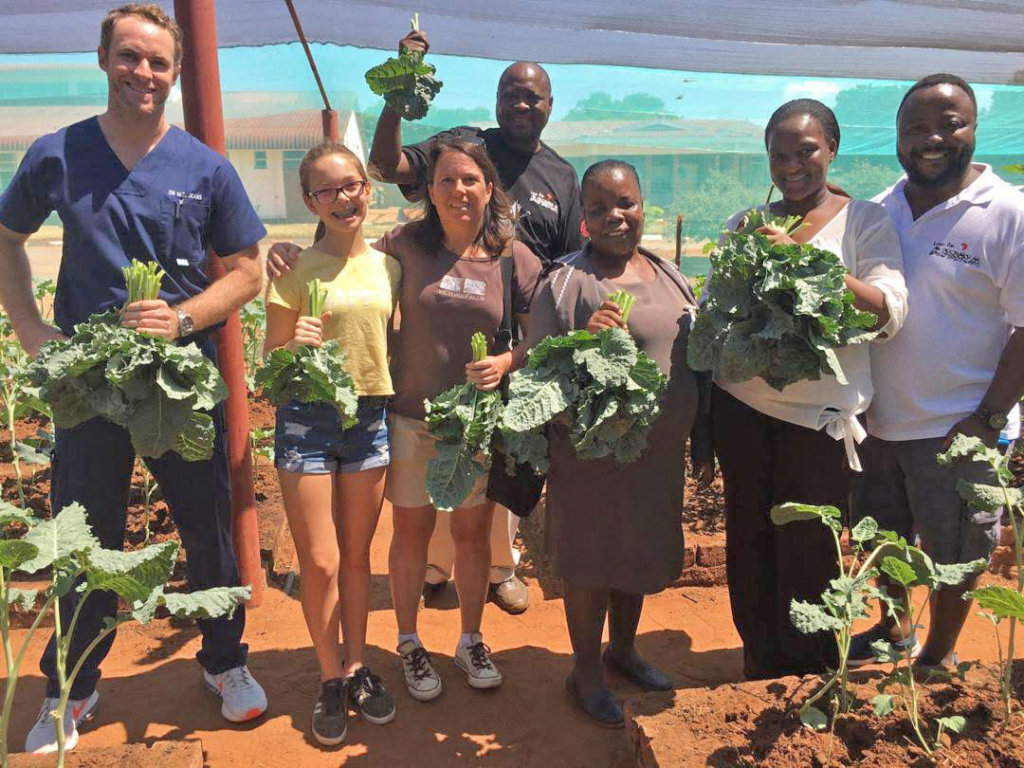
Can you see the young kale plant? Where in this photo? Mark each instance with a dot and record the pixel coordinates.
(463, 420)
(847, 600)
(45, 290)
(66, 546)
(910, 567)
(997, 602)
(261, 444)
(20, 398)
(311, 374)
(253, 318)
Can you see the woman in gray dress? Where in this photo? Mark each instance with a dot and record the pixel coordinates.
(614, 532)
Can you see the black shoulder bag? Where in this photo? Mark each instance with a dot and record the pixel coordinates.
(521, 490)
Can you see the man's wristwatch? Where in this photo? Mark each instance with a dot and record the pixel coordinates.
(991, 419)
(186, 326)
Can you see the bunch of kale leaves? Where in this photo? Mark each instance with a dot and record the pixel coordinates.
(463, 420)
(155, 389)
(775, 311)
(310, 375)
(599, 386)
(407, 84)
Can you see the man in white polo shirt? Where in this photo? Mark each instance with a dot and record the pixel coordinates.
(957, 366)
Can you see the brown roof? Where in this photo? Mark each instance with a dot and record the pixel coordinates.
(289, 130)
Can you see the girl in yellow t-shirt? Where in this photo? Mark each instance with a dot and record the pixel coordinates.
(332, 481)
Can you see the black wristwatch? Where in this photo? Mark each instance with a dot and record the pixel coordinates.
(994, 421)
(186, 326)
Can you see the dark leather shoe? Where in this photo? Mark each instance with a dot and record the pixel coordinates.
(601, 707)
(641, 673)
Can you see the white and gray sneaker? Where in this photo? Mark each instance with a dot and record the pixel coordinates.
(475, 660)
(421, 679)
(242, 698)
(42, 739)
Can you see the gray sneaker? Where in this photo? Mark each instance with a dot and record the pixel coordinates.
(242, 698)
(475, 661)
(421, 678)
(42, 739)
(330, 715)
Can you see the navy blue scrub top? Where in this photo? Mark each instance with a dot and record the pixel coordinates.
(179, 200)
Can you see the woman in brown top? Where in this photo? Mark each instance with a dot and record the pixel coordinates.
(451, 288)
(614, 532)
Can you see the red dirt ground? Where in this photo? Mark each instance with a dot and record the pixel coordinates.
(152, 691)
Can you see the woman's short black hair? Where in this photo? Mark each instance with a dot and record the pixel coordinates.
(826, 118)
(603, 166)
(940, 78)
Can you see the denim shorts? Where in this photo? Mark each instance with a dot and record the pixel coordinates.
(309, 439)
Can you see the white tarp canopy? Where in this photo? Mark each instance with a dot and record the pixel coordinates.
(980, 40)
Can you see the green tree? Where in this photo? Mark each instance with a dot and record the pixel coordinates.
(706, 208)
(862, 178)
(636, 106)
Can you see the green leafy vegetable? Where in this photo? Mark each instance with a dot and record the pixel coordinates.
(311, 374)
(463, 420)
(407, 84)
(625, 302)
(775, 311)
(598, 385)
(142, 280)
(158, 391)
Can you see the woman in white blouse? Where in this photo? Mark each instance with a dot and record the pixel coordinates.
(800, 444)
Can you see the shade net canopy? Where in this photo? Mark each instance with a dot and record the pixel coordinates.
(898, 39)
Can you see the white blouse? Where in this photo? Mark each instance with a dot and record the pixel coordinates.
(863, 236)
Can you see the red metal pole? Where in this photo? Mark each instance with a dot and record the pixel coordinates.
(330, 121)
(204, 119)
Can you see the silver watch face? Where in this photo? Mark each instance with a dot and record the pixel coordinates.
(185, 324)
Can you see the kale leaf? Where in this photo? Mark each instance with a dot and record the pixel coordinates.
(775, 311)
(463, 420)
(310, 375)
(156, 390)
(407, 84)
(600, 386)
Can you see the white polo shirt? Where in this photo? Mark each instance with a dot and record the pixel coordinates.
(963, 262)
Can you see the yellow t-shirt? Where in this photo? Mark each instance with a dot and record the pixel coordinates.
(361, 296)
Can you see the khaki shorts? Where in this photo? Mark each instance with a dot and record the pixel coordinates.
(411, 447)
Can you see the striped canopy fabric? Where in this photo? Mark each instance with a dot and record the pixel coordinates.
(980, 40)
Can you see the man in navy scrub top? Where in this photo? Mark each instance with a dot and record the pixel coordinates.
(126, 184)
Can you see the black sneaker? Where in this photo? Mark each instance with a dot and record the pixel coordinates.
(369, 697)
(330, 715)
(861, 653)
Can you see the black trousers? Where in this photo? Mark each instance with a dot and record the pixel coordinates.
(765, 461)
(92, 465)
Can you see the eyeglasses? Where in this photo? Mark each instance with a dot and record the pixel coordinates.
(349, 190)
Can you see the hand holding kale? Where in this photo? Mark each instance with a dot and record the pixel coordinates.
(153, 388)
(463, 420)
(311, 374)
(775, 311)
(406, 83)
(599, 385)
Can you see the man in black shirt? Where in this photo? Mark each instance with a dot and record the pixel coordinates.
(544, 186)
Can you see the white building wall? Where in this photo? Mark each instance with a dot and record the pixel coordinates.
(265, 186)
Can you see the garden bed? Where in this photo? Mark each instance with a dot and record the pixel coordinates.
(162, 754)
(756, 723)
